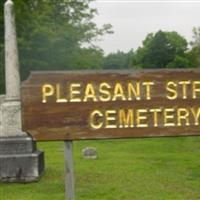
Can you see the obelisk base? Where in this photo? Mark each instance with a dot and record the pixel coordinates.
(19, 160)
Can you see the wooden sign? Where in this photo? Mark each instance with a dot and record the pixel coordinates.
(73, 105)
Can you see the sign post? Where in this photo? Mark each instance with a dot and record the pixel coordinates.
(69, 170)
(80, 105)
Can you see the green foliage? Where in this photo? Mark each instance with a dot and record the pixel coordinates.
(162, 49)
(87, 58)
(51, 35)
(118, 60)
(179, 62)
(57, 33)
(196, 37)
(195, 51)
(195, 58)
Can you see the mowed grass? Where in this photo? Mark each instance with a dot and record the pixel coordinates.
(134, 169)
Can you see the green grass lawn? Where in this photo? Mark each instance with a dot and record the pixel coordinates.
(135, 169)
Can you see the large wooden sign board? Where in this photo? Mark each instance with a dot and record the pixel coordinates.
(109, 104)
(73, 105)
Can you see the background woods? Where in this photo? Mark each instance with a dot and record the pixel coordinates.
(51, 35)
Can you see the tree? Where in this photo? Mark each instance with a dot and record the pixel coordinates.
(180, 62)
(118, 60)
(51, 34)
(195, 51)
(196, 37)
(161, 49)
(87, 58)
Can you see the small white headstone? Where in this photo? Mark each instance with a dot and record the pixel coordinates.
(89, 153)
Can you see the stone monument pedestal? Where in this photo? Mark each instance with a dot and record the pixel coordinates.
(19, 160)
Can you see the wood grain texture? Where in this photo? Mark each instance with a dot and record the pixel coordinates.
(70, 120)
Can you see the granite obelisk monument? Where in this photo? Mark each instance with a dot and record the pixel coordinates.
(20, 161)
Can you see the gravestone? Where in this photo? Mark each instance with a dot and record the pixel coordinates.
(19, 159)
(90, 153)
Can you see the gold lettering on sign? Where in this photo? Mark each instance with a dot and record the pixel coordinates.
(89, 93)
(47, 90)
(183, 115)
(126, 118)
(118, 93)
(134, 91)
(196, 114)
(141, 118)
(125, 91)
(110, 119)
(155, 116)
(184, 88)
(195, 89)
(148, 86)
(104, 92)
(171, 88)
(94, 123)
(75, 92)
(59, 99)
(169, 117)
